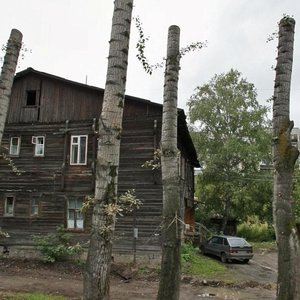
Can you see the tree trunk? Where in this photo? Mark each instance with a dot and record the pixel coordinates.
(170, 264)
(284, 158)
(13, 47)
(96, 277)
(227, 207)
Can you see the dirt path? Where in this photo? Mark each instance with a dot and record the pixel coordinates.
(256, 281)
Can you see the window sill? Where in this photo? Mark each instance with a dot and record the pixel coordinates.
(74, 230)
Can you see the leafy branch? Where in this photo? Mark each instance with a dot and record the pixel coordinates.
(141, 45)
(24, 50)
(127, 202)
(155, 163)
(11, 163)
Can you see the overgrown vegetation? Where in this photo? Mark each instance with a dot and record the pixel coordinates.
(193, 263)
(57, 246)
(254, 230)
(29, 296)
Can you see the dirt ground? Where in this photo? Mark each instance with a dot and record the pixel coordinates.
(256, 280)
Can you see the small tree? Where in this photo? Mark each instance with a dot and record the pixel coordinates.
(284, 158)
(13, 47)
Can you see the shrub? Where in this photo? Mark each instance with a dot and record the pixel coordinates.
(56, 246)
(254, 230)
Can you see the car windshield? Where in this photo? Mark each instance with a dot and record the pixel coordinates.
(238, 242)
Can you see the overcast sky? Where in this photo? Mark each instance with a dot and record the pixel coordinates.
(69, 38)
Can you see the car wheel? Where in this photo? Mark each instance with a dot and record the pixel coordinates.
(246, 260)
(223, 257)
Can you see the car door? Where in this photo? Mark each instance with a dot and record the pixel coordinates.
(211, 246)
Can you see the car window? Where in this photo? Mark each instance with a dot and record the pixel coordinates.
(213, 240)
(220, 241)
(238, 242)
(226, 242)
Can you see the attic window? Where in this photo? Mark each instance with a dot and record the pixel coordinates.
(31, 98)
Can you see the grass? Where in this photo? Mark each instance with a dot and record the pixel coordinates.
(196, 264)
(29, 296)
(264, 246)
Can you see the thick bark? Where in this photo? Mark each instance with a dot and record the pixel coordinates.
(170, 264)
(284, 158)
(96, 277)
(13, 47)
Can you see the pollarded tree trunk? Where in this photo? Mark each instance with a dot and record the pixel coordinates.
(13, 48)
(284, 158)
(170, 263)
(97, 273)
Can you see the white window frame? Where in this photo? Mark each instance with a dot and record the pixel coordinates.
(14, 149)
(9, 212)
(39, 145)
(75, 218)
(77, 146)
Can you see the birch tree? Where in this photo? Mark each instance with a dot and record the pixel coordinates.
(284, 158)
(13, 48)
(96, 277)
(170, 262)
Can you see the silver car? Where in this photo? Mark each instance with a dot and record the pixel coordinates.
(228, 248)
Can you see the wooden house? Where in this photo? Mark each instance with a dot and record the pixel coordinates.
(50, 146)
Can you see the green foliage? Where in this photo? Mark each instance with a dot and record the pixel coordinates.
(296, 194)
(155, 163)
(254, 230)
(9, 161)
(193, 263)
(230, 132)
(269, 246)
(3, 234)
(56, 246)
(141, 45)
(29, 296)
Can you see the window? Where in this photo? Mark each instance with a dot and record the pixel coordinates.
(31, 98)
(9, 206)
(34, 206)
(39, 145)
(14, 146)
(78, 150)
(75, 217)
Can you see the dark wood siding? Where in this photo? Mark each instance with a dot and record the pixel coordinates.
(63, 109)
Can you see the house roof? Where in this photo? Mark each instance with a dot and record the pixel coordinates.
(182, 124)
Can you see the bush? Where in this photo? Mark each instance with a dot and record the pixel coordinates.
(254, 230)
(56, 246)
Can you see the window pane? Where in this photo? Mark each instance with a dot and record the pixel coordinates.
(82, 150)
(74, 154)
(34, 206)
(14, 146)
(79, 215)
(39, 146)
(72, 203)
(75, 217)
(9, 207)
(39, 149)
(71, 214)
